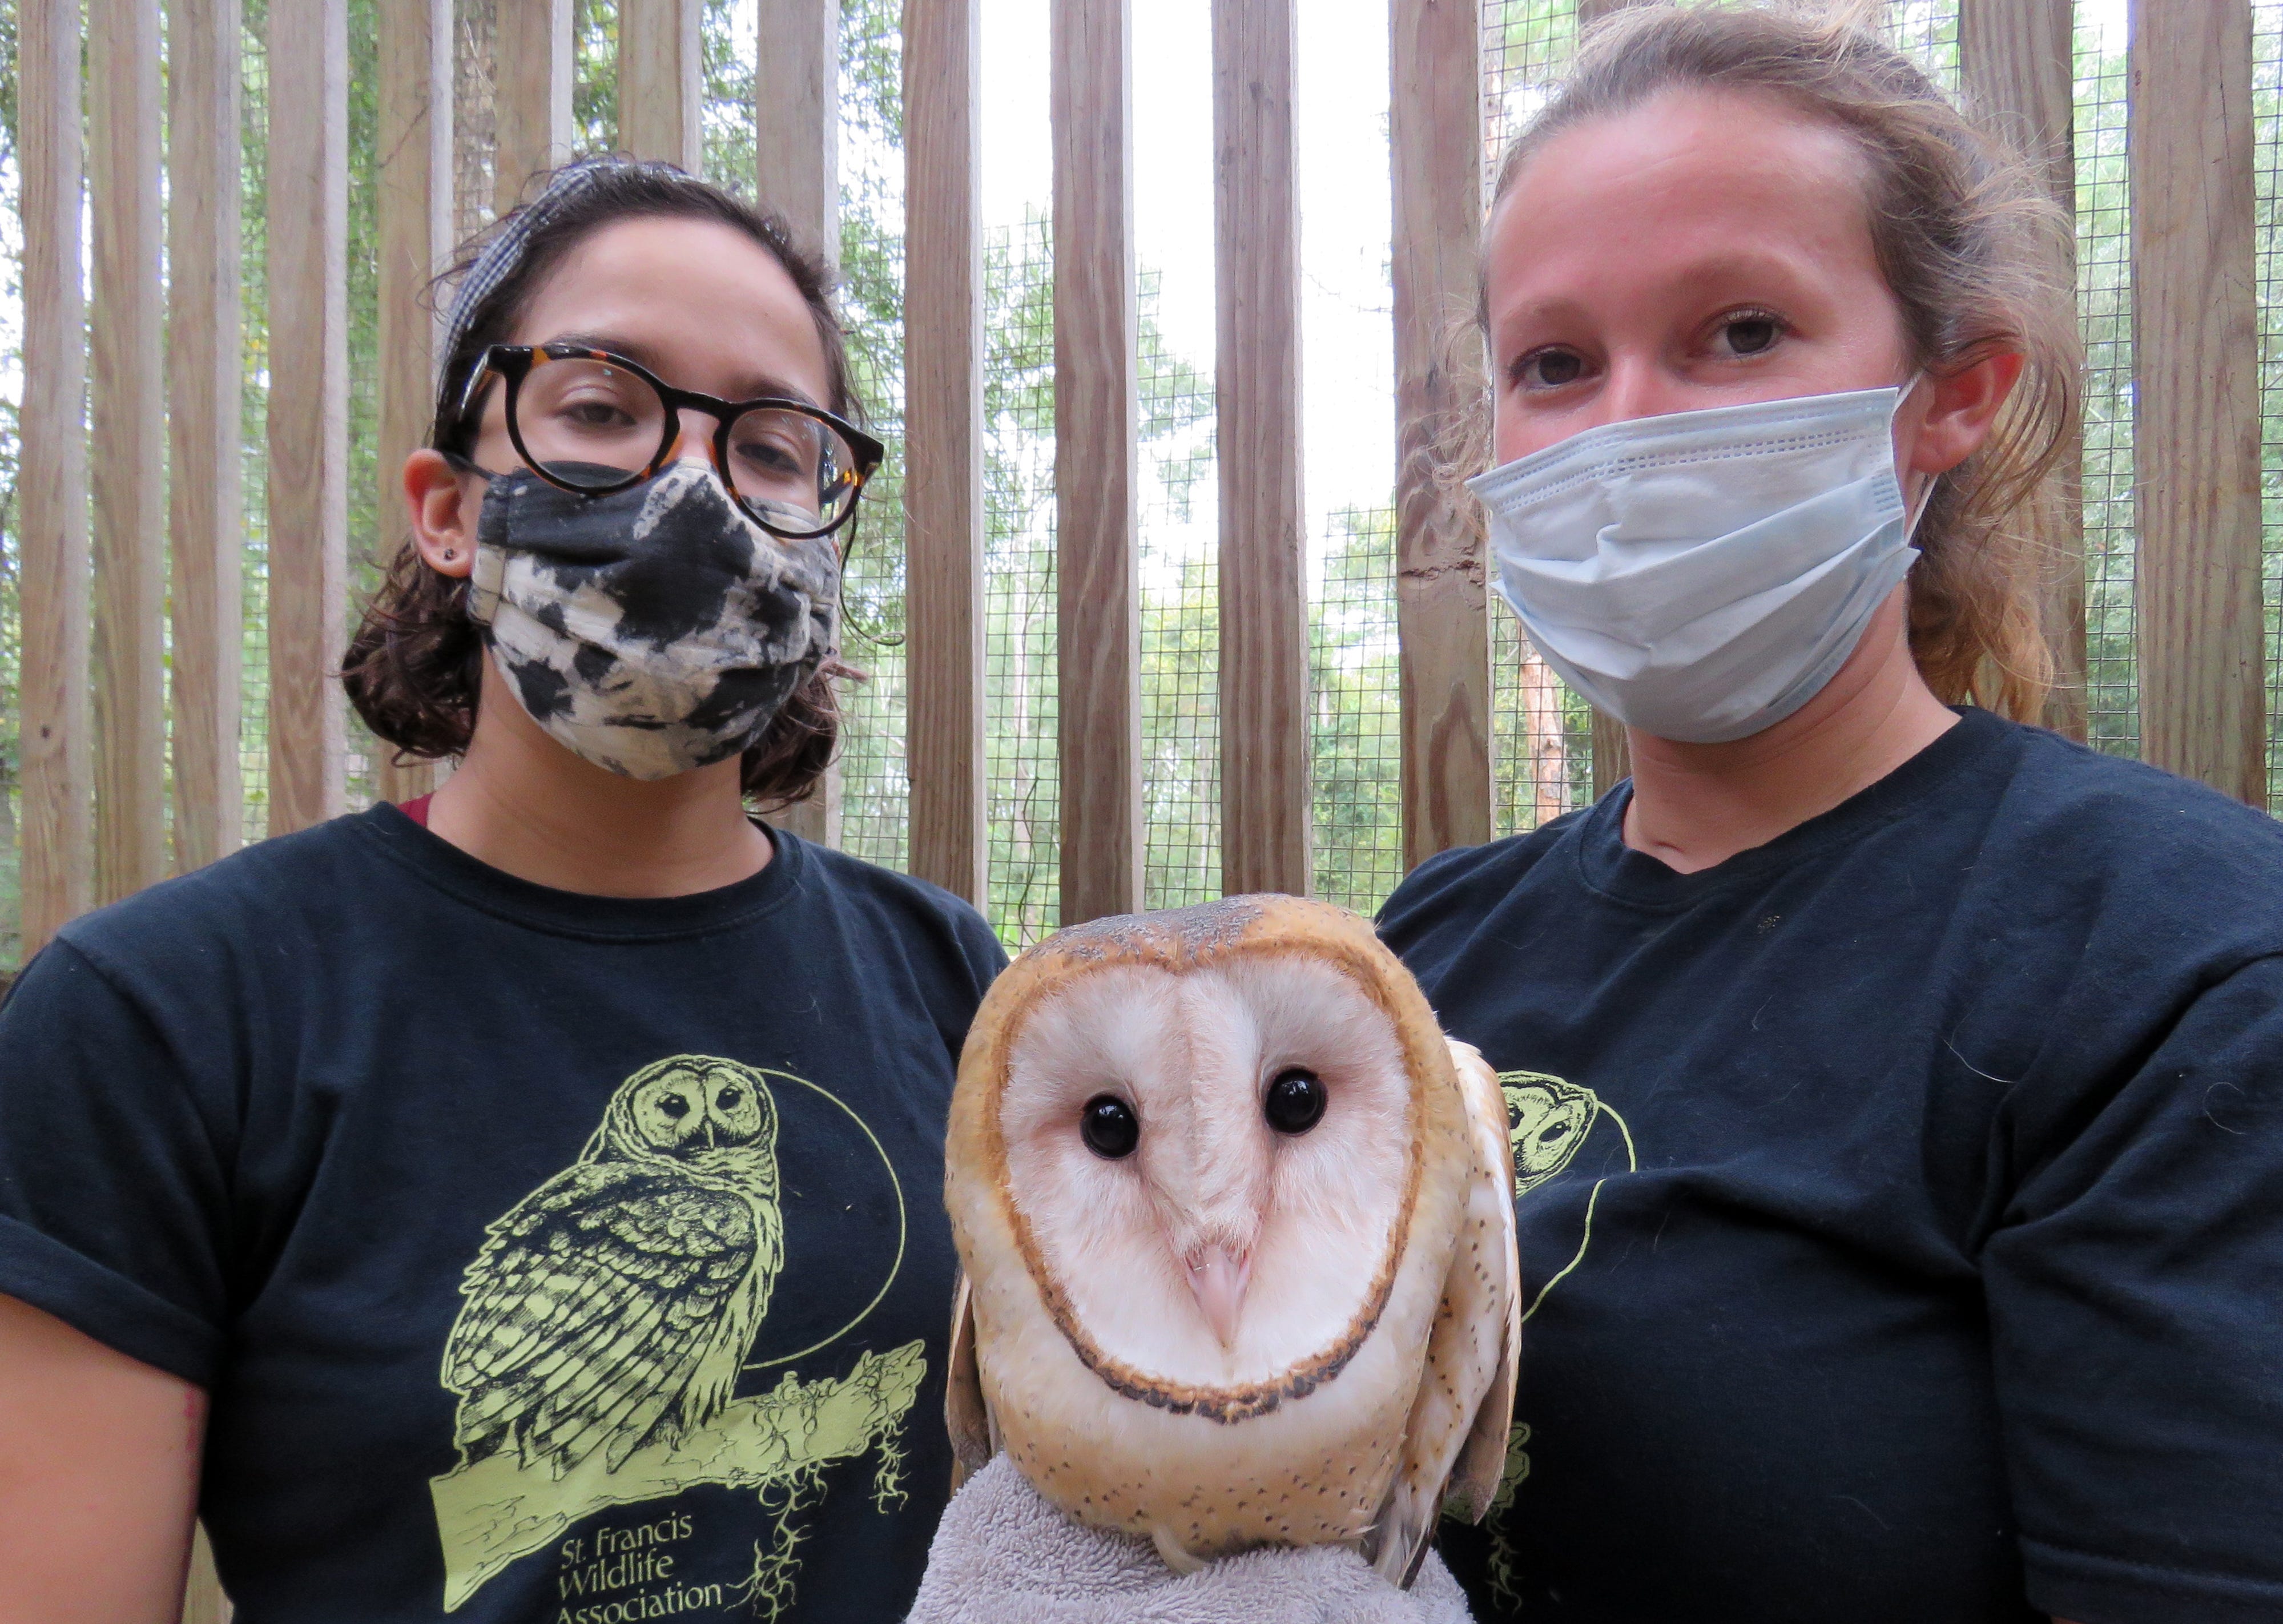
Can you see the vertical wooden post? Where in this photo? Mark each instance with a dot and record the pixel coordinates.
(1612, 754)
(2017, 58)
(205, 506)
(1097, 412)
(58, 773)
(308, 407)
(943, 440)
(1441, 605)
(662, 81)
(2196, 394)
(1264, 608)
(797, 115)
(531, 96)
(129, 472)
(797, 130)
(415, 233)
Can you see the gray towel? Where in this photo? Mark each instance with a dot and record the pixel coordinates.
(1003, 1556)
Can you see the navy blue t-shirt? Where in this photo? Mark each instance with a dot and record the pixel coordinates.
(1901, 1202)
(549, 1259)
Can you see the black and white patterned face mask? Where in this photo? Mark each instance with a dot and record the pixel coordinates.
(654, 630)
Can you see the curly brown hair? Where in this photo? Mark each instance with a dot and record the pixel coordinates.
(414, 670)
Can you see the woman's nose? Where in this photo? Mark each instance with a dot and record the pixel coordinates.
(1636, 387)
(694, 441)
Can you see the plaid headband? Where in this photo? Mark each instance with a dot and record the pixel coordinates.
(504, 252)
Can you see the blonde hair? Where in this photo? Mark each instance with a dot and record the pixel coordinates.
(1979, 259)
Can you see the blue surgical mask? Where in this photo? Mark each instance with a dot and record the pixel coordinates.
(1702, 575)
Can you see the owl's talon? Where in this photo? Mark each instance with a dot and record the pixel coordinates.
(1171, 1552)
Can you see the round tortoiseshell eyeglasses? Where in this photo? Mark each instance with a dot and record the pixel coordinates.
(595, 422)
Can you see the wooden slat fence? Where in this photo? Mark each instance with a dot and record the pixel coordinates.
(1097, 405)
(129, 760)
(2196, 341)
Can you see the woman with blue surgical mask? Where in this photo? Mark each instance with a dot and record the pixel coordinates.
(1896, 1087)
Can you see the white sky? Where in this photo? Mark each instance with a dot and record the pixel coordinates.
(1347, 366)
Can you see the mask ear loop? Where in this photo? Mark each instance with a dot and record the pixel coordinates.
(1914, 509)
(871, 634)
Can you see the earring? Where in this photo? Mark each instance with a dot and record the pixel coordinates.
(449, 555)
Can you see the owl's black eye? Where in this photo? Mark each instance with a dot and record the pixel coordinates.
(1109, 1127)
(673, 1105)
(1296, 1100)
(728, 1098)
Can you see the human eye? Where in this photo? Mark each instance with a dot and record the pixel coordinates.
(1551, 366)
(772, 448)
(1742, 334)
(596, 412)
(769, 454)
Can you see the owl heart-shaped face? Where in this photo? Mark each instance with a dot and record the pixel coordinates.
(688, 1109)
(1211, 1161)
(1237, 1224)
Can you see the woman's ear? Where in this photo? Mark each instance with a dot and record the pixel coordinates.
(1965, 404)
(444, 503)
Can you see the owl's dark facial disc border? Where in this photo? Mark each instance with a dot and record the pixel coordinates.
(1226, 1404)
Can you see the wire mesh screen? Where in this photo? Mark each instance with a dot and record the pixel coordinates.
(1541, 734)
(2104, 255)
(1348, 413)
(1927, 31)
(253, 702)
(875, 793)
(1022, 711)
(730, 40)
(2267, 114)
(376, 524)
(1355, 687)
(1180, 623)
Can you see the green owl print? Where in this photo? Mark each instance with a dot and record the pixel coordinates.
(605, 1323)
(1548, 1121)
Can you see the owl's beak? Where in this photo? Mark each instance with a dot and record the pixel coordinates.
(1218, 1278)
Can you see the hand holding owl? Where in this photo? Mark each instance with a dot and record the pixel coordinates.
(1238, 1234)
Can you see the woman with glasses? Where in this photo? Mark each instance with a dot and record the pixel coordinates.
(520, 1204)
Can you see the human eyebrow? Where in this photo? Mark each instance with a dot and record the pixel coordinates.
(751, 386)
(758, 387)
(634, 350)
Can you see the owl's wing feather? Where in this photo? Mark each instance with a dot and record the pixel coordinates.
(590, 1305)
(974, 1436)
(1454, 1443)
(768, 1252)
(1490, 1215)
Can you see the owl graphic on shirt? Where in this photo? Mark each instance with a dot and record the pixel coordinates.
(1548, 1121)
(612, 1307)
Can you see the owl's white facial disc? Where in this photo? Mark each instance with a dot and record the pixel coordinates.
(1215, 1212)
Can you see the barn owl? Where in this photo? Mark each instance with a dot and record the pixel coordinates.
(1237, 1230)
(613, 1305)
